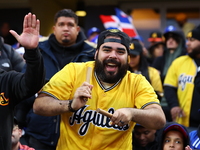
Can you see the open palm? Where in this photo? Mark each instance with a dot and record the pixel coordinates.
(30, 35)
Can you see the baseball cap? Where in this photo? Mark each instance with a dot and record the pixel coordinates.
(156, 36)
(170, 28)
(92, 30)
(135, 48)
(125, 40)
(195, 33)
(171, 31)
(177, 127)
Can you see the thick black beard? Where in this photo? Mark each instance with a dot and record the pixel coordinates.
(194, 52)
(110, 77)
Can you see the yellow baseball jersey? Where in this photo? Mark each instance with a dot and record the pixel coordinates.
(86, 129)
(155, 80)
(181, 75)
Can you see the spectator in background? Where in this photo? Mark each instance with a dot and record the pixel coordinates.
(155, 36)
(173, 136)
(195, 138)
(92, 34)
(66, 44)
(7, 36)
(157, 46)
(16, 135)
(144, 138)
(183, 23)
(138, 64)
(175, 47)
(182, 84)
(15, 86)
(155, 51)
(9, 58)
(141, 41)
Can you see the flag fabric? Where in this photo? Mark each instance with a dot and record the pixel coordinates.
(121, 21)
(126, 23)
(110, 22)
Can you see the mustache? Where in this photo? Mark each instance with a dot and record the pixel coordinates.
(114, 61)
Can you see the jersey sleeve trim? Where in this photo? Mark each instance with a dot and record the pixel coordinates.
(49, 94)
(149, 104)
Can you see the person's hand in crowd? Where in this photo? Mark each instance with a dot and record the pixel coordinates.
(177, 112)
(30, 35)
(188, 148)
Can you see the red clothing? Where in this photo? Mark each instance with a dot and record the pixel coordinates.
(25, 147)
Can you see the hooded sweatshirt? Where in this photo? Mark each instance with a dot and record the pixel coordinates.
(161, 135)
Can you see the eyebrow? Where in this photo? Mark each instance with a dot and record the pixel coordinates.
(178, 138)
(109, 47)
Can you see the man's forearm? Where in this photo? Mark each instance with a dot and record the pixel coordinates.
(49, 106)
(151, 117)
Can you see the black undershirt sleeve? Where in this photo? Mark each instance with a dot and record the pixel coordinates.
(170, 94)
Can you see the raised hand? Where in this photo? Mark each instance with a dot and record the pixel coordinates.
(30, 35)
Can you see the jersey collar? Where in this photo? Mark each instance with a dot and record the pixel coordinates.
(101, 85)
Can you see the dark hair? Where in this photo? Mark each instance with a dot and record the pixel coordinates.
(66, 13)
(143, 65)
(16, 123)
(175, 36)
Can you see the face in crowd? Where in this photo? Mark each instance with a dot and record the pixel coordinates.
(172, 41)
(193, 47)
(111, 61)
(144, 136)
(173, 140)
(16, 134)
(134, 61)
(158, 50)
(66, 30)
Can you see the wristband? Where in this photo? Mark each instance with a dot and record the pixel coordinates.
(70, 107)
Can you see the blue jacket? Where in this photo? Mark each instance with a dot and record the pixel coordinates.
(46, 129)
(51, 63)
(195, 139)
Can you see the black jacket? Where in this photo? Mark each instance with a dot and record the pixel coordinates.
(14, 87)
